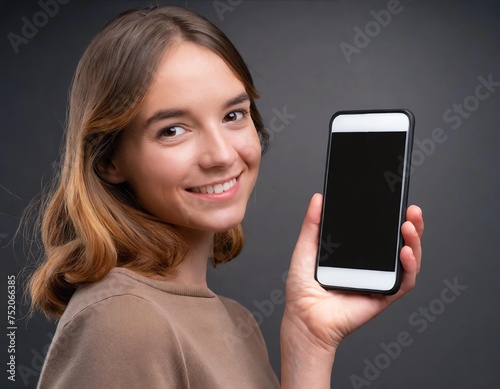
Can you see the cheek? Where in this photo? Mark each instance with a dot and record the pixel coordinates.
(155, 184)
(149, 171)
(250, 149)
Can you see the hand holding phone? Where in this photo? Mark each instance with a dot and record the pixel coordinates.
(315, 320)
(365, 200)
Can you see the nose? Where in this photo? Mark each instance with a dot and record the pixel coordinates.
(216, 147)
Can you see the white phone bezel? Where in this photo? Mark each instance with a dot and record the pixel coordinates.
(357, 278)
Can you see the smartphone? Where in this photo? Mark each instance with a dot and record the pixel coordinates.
(365, 200)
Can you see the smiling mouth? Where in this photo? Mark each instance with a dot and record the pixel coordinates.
(217, 188)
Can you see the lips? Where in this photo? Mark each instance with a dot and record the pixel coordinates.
(216, 188)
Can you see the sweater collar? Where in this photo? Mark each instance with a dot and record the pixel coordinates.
(166, 286)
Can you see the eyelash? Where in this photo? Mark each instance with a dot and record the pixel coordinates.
(244, 112)
(164, 130)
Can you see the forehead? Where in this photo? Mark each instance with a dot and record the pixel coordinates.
(191, 74)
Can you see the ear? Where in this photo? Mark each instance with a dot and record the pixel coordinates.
(109, 171)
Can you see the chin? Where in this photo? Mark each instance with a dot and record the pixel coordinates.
(221, 221)
(224, 227)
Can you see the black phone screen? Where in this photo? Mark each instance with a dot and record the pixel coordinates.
(362, 202)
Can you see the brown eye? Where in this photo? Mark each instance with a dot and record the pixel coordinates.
(234, 116)
(172, 131)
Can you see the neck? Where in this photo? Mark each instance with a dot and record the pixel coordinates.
(193, 268)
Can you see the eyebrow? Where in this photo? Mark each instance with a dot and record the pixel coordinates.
(173, 113)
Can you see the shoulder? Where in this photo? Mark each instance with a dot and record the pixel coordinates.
(113, 334)
(234, 308)
(240, 315)
(112, 285)
(123, 322)
(122, 326)
(116, 302)
(245, 326)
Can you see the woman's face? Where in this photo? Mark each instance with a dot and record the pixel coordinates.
(192, 154)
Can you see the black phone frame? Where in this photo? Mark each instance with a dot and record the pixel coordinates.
(406, 184)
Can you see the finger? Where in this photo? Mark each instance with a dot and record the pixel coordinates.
(304, 255)
(410, 269)
(415, 215)
(412, 239)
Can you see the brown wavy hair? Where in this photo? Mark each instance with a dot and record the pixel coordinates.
(89, 226)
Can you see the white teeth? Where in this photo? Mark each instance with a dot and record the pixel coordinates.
(217, 188)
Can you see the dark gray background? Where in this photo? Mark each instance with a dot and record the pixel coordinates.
(427, 59)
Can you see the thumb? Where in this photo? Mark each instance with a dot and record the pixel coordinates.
(304, 255)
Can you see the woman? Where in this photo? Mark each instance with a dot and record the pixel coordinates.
(163, 147)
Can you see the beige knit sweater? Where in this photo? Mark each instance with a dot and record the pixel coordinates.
(130, 331)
